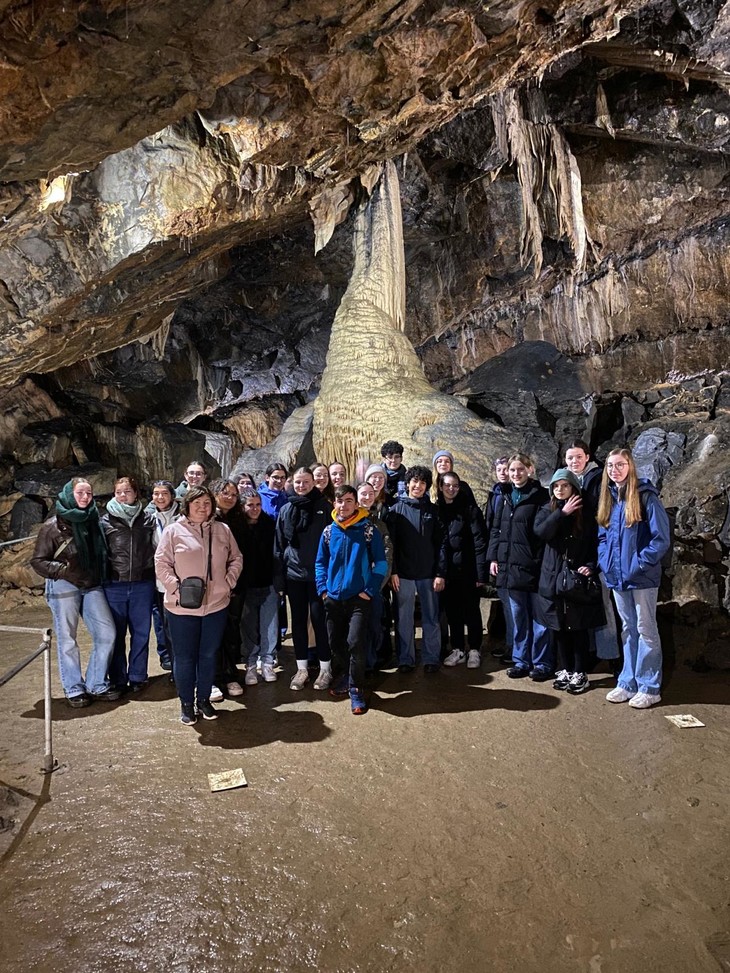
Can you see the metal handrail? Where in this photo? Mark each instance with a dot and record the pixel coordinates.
(16, 540)
(49, 764)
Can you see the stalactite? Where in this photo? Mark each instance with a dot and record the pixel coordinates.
(373, 386)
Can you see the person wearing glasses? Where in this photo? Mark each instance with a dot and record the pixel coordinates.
(272, 490)
(633, 537)
(196, 475)
(130, 537)
(228, 679)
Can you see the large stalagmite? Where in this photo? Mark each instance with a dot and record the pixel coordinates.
(373, 386)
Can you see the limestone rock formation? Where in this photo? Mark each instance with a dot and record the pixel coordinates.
(373, 386)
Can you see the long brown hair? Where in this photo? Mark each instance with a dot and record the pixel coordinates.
(630, 488)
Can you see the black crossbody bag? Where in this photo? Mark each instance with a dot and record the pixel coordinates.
(192, 590)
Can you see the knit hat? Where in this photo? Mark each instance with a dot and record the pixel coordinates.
(373, 468)
(566, 475)
(444, 452)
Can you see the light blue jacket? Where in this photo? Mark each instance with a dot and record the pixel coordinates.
(630, 557)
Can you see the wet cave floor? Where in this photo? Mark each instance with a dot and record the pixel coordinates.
(466, 823)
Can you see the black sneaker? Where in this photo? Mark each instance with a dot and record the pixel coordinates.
(517, 672)
(540, 675)
(110, 695)
(205, 709)
(79, 701)
(166, 663)
(431, 668)
(578, 684)
(188, 716)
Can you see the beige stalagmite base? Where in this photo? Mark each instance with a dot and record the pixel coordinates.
(373, 386)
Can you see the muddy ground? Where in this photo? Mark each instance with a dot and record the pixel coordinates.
(466, 823)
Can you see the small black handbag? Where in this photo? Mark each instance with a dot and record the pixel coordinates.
(192, 590)
(581, 589)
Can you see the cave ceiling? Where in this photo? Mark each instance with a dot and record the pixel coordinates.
(178, 182)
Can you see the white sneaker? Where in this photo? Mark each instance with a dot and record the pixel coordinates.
(299, 679)
(324, 679)
(268, 673)
(455, 658)
(252, 678)
(216, 696)
(234, 688)
(619, 695)
(645, 700)
(474, 659)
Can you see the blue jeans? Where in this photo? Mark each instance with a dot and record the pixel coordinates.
(69, 603)
(131, 607)
(260, 625)
(406, 635)
(531, 648)
(642, 671)
(158, 623)
(196, 639)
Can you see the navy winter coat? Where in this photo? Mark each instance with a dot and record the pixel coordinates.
(630, 557)
(418, 539)
(513, 543)
(298, 530)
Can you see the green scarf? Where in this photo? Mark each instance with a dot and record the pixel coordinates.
(88, 537)
(128, 512)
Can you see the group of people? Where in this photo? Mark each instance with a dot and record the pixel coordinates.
(213, 565)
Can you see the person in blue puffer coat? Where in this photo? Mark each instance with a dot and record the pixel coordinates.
(633, 537)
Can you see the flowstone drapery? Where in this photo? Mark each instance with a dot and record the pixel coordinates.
(373, 386)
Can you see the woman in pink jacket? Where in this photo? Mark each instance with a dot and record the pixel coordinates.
(196, 546)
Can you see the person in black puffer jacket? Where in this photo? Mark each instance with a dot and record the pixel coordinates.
(568, 527)
(298, 530)
(227, 677)
(130, 537)
(466, 571)
(515, 555)
(492, 518)
(261, 601)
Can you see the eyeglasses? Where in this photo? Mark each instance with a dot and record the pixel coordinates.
(616, 466)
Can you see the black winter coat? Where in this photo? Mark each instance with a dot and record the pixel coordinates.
(419, 550)
(131, 549)
(466, 541)
(298, 530)
(493, 508)
(257, 547)
(513, 543)
(561, 539)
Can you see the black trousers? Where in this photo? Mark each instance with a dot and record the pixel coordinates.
(303, 602)
(572, 647)
(348, 624)
(460, 604)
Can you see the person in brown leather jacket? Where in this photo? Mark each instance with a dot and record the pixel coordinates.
(70, 553)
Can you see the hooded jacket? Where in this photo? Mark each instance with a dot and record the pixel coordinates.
(562, 539)
(298, 531)
(630, 557)
(350, 559)
(272, 500)
(183, 553)
(419, 549)
(513, 543)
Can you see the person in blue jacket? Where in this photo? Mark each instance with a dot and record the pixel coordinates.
(272, 492)
(633, 537)
(349, 572)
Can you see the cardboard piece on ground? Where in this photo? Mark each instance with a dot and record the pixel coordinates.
(684, 721)
(227, 780)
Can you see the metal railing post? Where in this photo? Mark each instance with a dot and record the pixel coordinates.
(48, 761)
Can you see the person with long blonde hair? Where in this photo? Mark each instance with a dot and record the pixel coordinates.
(633, 537)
